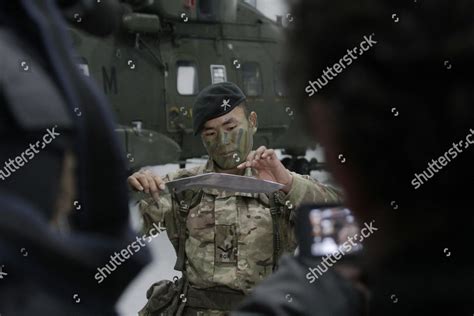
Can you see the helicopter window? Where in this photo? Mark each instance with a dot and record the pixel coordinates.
(187, 78)
(218, 74)
(280, 87)
(252, 79)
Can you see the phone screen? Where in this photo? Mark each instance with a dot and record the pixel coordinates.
(326, 229)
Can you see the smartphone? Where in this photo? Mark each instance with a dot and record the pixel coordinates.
(325, 229)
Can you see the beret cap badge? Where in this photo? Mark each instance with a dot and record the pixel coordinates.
(225, 104)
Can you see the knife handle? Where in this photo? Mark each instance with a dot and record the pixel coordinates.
(248, 172)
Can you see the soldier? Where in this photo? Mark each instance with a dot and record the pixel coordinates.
(226, 242)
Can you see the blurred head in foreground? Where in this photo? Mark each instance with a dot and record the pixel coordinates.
(385, 89)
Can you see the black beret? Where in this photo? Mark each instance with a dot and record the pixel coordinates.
(214, 101)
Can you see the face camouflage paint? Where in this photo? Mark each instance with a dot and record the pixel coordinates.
(230, 149)
(229, 146)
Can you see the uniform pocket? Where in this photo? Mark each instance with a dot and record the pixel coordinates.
(226, 244)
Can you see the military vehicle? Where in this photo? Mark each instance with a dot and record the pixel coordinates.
(166, 51)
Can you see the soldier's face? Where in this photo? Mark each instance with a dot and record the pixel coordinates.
(229, 139)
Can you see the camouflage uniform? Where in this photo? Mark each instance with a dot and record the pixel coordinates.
(230, 235)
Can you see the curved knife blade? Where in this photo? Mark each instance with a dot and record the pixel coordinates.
(227, 182)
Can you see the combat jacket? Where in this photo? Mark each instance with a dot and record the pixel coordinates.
(230, 234)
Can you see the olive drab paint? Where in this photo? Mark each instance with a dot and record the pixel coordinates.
(153, 67)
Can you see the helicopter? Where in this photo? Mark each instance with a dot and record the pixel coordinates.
(165, 52)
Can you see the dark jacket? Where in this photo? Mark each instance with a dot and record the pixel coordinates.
(49, 273)
(289, 292)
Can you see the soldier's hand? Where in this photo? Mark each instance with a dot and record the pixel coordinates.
(268, 166)
(146, 181)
